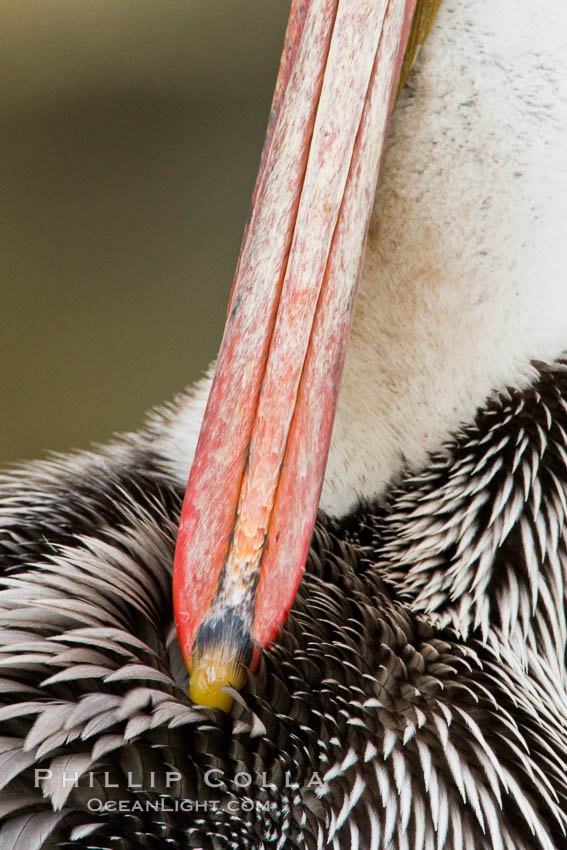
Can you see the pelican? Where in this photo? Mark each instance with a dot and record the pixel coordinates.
(415, 695)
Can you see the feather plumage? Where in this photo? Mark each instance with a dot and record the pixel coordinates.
(389, 714)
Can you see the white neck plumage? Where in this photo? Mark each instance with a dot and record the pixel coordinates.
(465, 280)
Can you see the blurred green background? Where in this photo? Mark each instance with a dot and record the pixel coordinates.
(130, 134)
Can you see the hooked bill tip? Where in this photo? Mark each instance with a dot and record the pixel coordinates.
(221, 656)
(211, 674)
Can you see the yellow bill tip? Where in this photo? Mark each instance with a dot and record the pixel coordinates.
(211, 673)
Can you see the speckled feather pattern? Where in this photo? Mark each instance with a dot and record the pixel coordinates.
(396, 710)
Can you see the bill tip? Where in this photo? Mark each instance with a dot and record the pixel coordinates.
(210, 675)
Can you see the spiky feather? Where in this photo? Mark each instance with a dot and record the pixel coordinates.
(390, 714)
